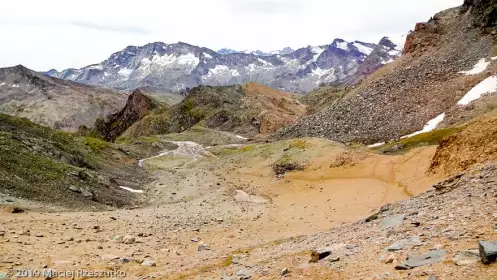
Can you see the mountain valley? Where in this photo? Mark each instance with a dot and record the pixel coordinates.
(344, 161)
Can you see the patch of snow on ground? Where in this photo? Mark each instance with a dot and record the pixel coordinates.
(376, 145)
(493, 58)
(222, 70)
(241, 137)
(317, 51)
(394, 52)
(478, 68)
(488, 85)
(321, 72)
(263, 61)
(125, 72)
(2, 84)
(363, 49)
(430, 125)
(131, 190)
(343, 45)
(95, 67)
(206, 55)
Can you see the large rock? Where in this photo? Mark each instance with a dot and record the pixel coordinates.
(403, 243)
(467, 257)
(392, 221)
(422, 260)
(319, 254)
(488, 251)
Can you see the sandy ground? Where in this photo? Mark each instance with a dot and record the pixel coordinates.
(233, 202)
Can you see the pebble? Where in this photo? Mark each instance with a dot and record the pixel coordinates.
(284, 271)
(128, 239)
(148, 262)
(203, 247)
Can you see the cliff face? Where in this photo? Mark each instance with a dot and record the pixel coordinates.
(137, 107)
(483, 11)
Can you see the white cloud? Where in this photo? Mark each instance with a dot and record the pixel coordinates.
(62, 33)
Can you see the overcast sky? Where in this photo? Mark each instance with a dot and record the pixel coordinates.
(73, 33)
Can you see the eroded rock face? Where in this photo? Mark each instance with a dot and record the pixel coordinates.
(137, 106)
(484, 12)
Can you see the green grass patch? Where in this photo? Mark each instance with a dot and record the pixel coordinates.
(96, 144)
(424, 139)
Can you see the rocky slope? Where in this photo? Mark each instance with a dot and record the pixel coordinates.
(249, 110)
(54, 168)
(54, 102)
(138, 106)
(443, 60)
(180, 66)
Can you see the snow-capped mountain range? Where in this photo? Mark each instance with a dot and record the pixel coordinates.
(181, 65)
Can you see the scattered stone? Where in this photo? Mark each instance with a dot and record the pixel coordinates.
(2, 233)
(148, 262)
(371, 218)
(109, 257)
(117, 239)
(39, 235)
(126, 260)
(243, 275)
(467, 257)
(426, 259)
(194, 239)
(488, 251)
(391, 259)
(203, 247)
(392, 221)
(319, 254)
(284, 271)
(128, 239)
(335, 259)
(403, 243)
(100, 247)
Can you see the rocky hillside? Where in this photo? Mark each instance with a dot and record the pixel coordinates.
(54, 102)
(180, 66)
(247, 110)
(54, 168)
(138, 106)
(447, 65)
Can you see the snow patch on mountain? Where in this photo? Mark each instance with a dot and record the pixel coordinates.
(430, 126)
(363, 49)
(489, 85)
(479, 67)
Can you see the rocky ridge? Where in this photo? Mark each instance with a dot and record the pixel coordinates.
(403, 96)
(180, 66)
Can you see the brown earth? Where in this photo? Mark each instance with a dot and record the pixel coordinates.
(477, 143)
(230, 200)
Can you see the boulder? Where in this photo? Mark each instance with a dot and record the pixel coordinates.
(467, 257)
(426, 259)
(488, 251)
(319, 254)
(392, 221)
